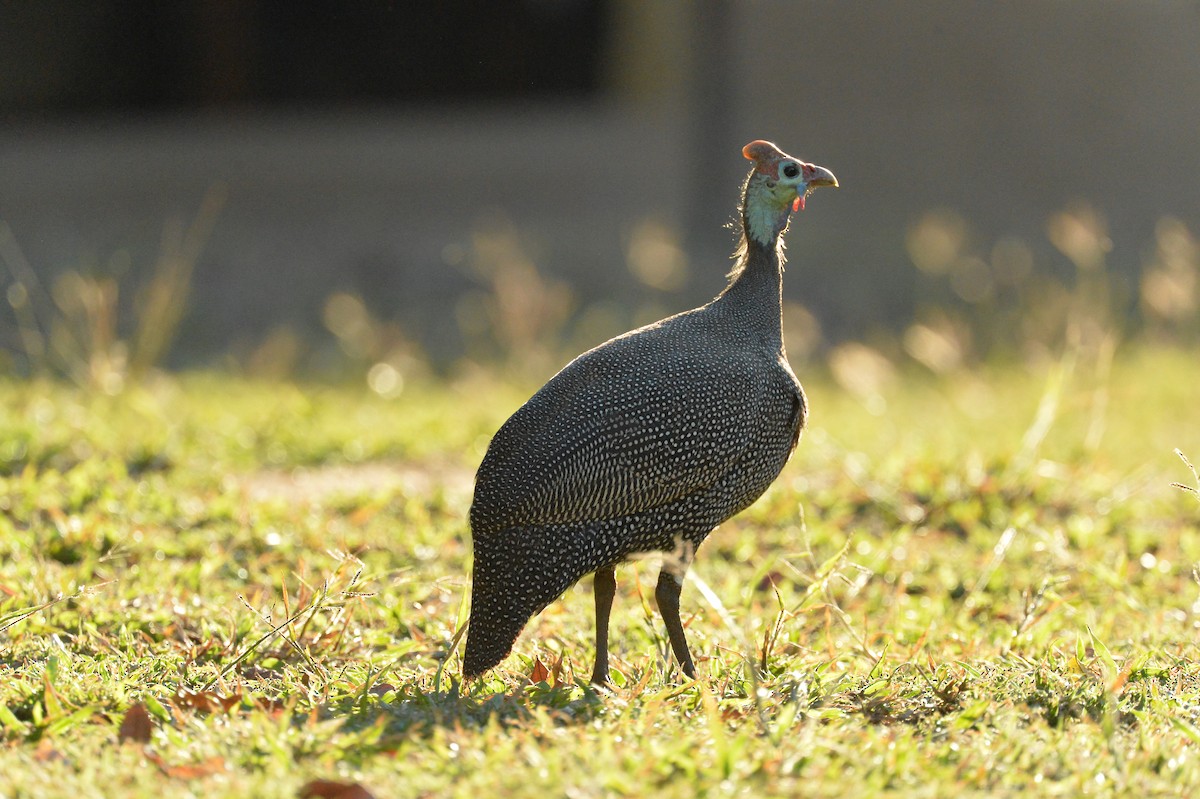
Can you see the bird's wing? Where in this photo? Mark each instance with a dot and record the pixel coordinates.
(622, 429)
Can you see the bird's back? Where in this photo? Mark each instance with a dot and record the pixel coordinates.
(650, 421)
(645, 443)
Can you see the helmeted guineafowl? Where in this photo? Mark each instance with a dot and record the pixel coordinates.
(645, 443)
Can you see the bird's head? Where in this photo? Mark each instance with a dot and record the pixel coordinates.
(778, 185)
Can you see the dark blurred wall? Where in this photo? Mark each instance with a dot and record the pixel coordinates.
(60, 57)
(374, 147)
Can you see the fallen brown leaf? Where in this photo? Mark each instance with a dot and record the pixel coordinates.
(46, 753)
(360, 517)
(189, 771)
(272, 705)
(557, 669)
(205, 701)
(194, 771)
(539, 673)
(328, 789)
(770, 580)
(136, 726)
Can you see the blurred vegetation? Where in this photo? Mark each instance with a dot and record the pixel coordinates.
(102, 325)
(980, 301)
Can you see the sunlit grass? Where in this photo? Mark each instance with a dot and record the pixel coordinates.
(931, 599)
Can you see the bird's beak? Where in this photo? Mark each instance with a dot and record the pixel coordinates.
(815, 176)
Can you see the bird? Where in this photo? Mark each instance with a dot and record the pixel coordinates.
(645, 443)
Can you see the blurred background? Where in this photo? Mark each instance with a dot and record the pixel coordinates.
(398, 188)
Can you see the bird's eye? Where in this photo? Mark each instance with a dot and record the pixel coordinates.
(791, 170)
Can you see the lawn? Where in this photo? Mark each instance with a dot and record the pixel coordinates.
(973, 584)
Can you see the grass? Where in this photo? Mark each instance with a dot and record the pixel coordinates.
(978, 584)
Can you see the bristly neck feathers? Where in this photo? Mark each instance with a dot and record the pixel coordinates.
(757, 274)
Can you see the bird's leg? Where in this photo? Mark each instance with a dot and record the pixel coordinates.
(670, 583)
(604, 585)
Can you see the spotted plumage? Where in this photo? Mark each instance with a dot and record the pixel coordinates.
(645, 443)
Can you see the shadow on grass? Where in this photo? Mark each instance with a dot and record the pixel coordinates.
(408, 711)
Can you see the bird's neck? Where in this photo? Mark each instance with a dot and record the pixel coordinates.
(764, 217)
(756, 286)
(755, 290)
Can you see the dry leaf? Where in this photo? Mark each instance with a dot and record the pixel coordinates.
(46, 753)
(327, 789)
(540, 673)
(205, 701)
(1119, 683)
(136, 726)
(272, 705)
(190, 771)
(557, 669)
(770, 580)
(259, 673)
(214, 765)
(360, 517)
